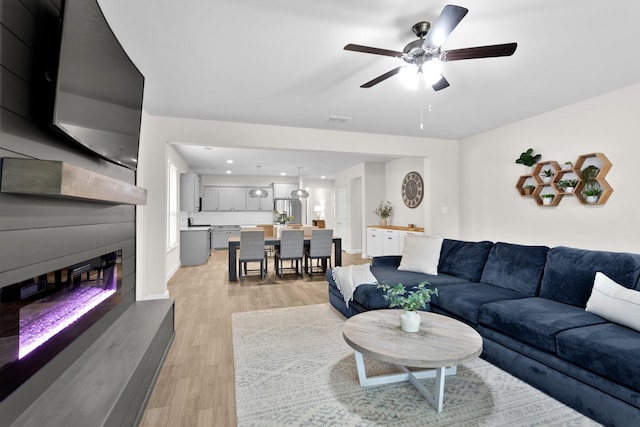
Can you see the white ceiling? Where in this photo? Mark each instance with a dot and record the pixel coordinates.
(281, 62)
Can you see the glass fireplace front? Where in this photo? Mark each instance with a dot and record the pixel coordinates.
(40, 316)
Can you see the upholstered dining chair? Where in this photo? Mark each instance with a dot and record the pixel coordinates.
(319, 249)
(252, 250)
(291, 249)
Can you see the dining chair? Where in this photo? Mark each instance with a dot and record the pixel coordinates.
(268, 232)
(319, 249)
(291, 249)
(252, 250)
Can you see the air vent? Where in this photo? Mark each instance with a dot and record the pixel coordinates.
(338, 119)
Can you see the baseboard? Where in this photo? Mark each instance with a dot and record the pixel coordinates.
(353, 251)
(173, 270)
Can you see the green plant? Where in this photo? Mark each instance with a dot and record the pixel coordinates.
(566, 183)
(412, 300)
(281, 218)
(569, 163)
(547, 172)
(529, 187)
(528, 158)
(593, 191)
(547, 196)
(384, 209)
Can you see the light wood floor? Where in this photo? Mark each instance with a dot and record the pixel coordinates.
(196, 385)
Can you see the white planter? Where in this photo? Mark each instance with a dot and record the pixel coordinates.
(546, 179)
(591, 199)
(547, 200)
(410, 321)
(569, 189)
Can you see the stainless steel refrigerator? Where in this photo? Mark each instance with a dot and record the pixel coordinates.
(289, 207)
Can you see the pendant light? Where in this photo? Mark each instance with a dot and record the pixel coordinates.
(258, 192)
(300, 193)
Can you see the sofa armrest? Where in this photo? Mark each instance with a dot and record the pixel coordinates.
(386, 261)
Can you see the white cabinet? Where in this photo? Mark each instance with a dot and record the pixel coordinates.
(384, 241)
(210, 198)
(374, 241)
(189, 192)
(232, 199)
(260, 203)
(391, 244)
(283, 191)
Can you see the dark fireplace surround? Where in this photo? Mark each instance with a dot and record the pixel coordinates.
(42, 315)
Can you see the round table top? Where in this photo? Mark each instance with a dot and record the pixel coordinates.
(441, 340)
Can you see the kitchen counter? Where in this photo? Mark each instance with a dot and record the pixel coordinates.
(195, 245)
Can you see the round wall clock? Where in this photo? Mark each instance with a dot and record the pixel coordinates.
(412, 189)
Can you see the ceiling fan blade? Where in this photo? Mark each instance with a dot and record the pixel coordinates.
(447, 21)
(381, 78)
(440, 84)
(374, 50)
(491, 51)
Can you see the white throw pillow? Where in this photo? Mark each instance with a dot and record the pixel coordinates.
(614, 302)
(421, 254)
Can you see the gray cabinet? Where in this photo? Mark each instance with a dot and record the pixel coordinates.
(190, 192)
(232, 199)
(221, 234)
(195, 246)
(260, 203)
(210, 198)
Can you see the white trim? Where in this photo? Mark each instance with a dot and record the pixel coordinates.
(152, 297)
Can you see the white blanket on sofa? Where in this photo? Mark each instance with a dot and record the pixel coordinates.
(350, 277)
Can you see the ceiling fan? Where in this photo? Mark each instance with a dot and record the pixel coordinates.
(424, 52)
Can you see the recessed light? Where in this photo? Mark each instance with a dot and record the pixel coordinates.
(283, 173)
(323, 177)
(229, 161)
(207, 148)
(228, 171)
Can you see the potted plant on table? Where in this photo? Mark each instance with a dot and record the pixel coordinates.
(410, 302)
(383, 211)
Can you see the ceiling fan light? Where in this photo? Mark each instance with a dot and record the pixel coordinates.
(409, 77)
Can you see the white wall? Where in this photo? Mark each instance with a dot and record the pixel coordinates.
(492, 208)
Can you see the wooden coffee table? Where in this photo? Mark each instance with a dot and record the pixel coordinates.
(441, 344)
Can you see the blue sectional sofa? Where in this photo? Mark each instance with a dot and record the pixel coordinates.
(528, 303)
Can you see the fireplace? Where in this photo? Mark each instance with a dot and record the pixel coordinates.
(42, 315)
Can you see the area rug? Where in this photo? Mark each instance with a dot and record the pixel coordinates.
(293, 368)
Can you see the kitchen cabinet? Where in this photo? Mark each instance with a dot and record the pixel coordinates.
(283, 191)
(190, 192)
(260, 203)
(210, 198)
(232, 199)
(221, 234)
(195, 245)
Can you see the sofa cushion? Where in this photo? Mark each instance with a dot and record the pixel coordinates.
(535, 320)
(614, 302)
(421, 254)
(569, 273)
(515, 267)
(464, 259)
(607, 349)
(465, 299)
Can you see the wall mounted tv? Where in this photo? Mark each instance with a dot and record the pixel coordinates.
(98, 89)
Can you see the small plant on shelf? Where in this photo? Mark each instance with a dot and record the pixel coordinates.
(568, 164)
(547, 198)
(528, 158)
(528, 189)
(567, 185)
(547, 173)
(592, 194)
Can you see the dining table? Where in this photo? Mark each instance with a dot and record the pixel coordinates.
(234, 244)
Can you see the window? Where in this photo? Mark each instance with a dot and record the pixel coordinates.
(172, 207)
